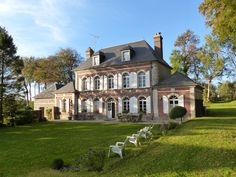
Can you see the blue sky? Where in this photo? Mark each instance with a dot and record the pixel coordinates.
(42, 27)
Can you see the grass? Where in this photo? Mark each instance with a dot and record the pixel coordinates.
(201, 147)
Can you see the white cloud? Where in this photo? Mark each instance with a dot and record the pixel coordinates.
(49, 19)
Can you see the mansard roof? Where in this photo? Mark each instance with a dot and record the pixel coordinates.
(49, 92)
(68, 88)
(142, 52)
(177, 80)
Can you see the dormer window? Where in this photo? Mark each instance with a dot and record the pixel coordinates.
(96, 60)
(125, 55)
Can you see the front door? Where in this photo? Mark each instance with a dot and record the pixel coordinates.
(110, 108)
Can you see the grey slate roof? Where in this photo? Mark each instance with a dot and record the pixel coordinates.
(68, 88)
(143, 52)
(177, 80)
(49, 92)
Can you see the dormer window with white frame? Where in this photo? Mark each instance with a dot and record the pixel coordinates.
(125, 54)
(96, 60)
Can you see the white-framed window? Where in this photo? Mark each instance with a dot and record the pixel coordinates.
(173, 101)
(97, 83)
(125, 80)
(96, 60)
(141, 79)
(125, 104)
(125, 55)
(84, 84)
(84, 105)
(96, 105)
(142, 105)
(110, 82)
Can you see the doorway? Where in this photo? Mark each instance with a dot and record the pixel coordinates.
(111, 108)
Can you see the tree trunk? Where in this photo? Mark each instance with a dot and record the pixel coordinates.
(30, 89)
(38, 88)
(208, 90)
(26, 93)
(1, 91)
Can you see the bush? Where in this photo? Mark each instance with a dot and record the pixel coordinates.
(177, 112)
(172, 125)
(57, 164)
(24, 116)
(9, 121)
(94, 160)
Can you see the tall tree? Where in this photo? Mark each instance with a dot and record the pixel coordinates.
(184, 57)
(221, 17)
(67, 59)
(7, 58)
(213, 61)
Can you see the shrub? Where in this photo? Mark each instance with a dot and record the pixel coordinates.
(172, 125)
(24, 116)
(94, 160)
(57, 164)
(49, 113)
(177, 112)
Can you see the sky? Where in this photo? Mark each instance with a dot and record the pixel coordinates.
(41, 27)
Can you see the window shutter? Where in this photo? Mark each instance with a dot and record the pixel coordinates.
(101, 82)
(60, 105)
(134, 80)
(115, 81)
(181, 100)
(67, 105)
(147, 78)
(105, 83)
(165, 105)
(88, 83)
(100, 105)
(119, 105)
(119, 81)
(91, 105)
(133, 105)
(131, 80)
(80, 84)
(79, 105)
(148, 104)
(92, 83)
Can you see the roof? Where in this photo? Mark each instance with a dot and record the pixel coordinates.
(49, 92)
(143, 52)
(68, 88)
(177, 80)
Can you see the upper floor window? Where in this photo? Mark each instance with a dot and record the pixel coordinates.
(96, 60)
(141, 79)
(110, 82)
(173, 101)
(142, 105)
(96, 83)
(84, 84)
(125, 55)
(125, 80)
(126, 105)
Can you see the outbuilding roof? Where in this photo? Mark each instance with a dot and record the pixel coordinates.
(49, 92)
(68, 88)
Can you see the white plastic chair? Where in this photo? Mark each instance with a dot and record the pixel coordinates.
(118, 148)
(146, 131)
(134, 139)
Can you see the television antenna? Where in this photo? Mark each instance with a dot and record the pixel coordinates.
(94, 41)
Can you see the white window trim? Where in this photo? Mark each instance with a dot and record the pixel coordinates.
(109, 80)
(93, 61)
(122, 55)
(145, 78)
(126, 81)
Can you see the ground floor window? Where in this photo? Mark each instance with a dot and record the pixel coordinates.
(96, 105)
(83, 106)
(142, 105)
(63, 105)
(173, 101)
(126, 105)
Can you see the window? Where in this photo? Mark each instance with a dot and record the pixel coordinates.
(142, 105)
(64, 105)
(96, 83)
(110, 82)
(125, 55)
(173, 101)
(96, 60)
(84, 84)
(126, 105)
(83, 106)
(125, 79)
(96, 105)
(141, 79)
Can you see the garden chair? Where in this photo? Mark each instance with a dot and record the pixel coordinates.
(134, 139)
(118, 148)
(146, 131)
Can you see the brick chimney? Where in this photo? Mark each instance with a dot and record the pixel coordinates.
(158, 44)
(89, 53)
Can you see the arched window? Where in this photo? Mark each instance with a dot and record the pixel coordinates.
(173, 101)
(96, 83)
(125, 79)
(126, 105)
(84, 84)
(141, 79)
(110, 82)
(84, 105)
(142, 104)
(96, 105)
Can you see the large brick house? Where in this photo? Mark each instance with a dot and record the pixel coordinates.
(131, 78)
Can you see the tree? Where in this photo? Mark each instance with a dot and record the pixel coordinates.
(213, 62)
(221, 17)
(184, 57)
(7, 58)
(226, 91)
(67, 60)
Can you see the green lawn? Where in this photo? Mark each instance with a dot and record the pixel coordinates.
(201, 147)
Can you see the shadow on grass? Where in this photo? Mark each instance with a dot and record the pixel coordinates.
(221, 112)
